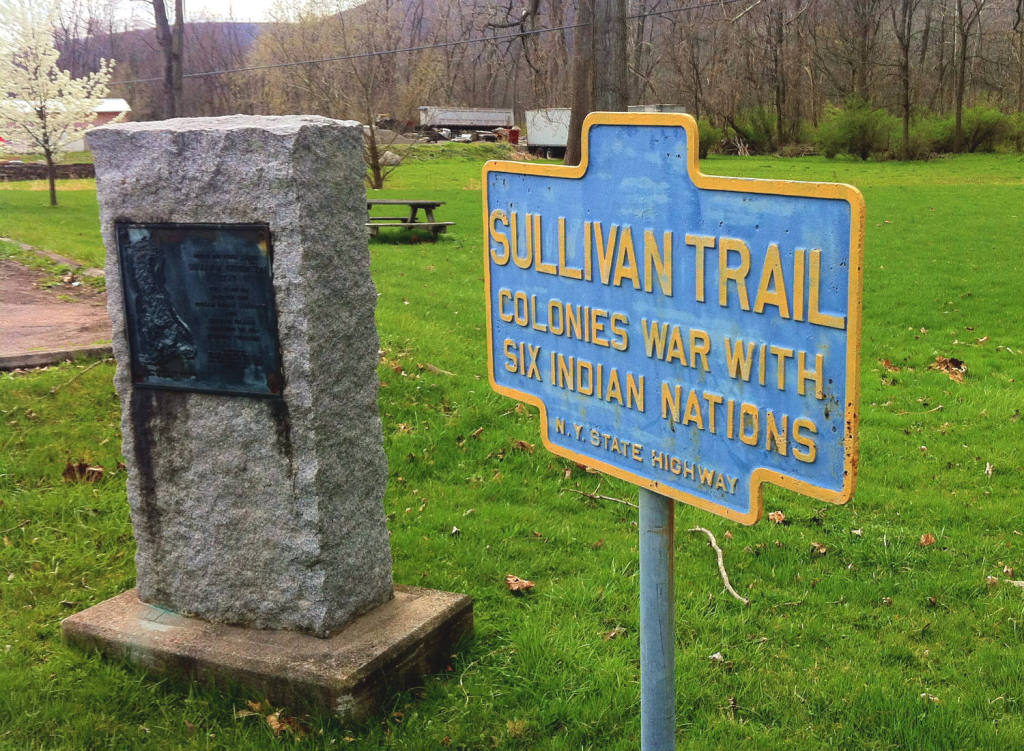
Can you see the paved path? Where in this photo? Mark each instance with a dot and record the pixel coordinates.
(40, 325)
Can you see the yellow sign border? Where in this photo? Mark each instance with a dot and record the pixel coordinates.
(759, 476)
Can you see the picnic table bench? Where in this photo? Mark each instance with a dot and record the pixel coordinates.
(408, 220)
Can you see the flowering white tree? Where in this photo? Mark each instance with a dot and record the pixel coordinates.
(41, 104)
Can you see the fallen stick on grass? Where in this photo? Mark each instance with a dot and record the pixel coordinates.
(721, 564)
(80, 373)
(596, 497)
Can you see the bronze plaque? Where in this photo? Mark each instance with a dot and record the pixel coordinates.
(199, 307)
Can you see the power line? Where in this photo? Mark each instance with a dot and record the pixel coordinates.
(421, 48)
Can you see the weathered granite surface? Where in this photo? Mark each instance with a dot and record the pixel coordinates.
(351, 674)
(258, 512)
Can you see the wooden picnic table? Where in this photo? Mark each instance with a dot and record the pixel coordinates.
(409, 219)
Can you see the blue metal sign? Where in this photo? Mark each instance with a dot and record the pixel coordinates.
(695, 335)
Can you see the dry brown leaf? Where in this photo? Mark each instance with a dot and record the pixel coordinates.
(255, 706)
(520, 408)
(82, 472)
(435, 369)
(517, 585)
(818, 549)
(1008, 570)
(614, 633)
(727, 535)
(522, 445)
(476, 433)
(992, 581)
(887, 364)
(777, 516)
(279, 723)
(951, 366)
(927, 539)
(989, 469)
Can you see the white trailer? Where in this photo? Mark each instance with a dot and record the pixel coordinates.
(547, 130)
(465, 118)
(657, 108)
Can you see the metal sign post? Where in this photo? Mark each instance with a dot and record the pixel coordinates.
(697, 336)
(657, 623)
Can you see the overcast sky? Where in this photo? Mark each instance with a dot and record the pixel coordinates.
(141, 13)
(195, 10)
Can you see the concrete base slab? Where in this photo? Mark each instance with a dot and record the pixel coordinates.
(349, 673)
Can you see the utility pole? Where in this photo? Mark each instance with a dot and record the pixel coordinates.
(599, 66)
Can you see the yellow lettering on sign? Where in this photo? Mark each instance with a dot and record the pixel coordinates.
(543, 268)
(522, 262)
(605, 251)
(618, 323)
(803, 374)
(808, 443)
(773, 434)
(749, 415)
(772, 289)
(736, 274)
(701, 243)
(738, 359)
(497, 236)
(814, 283)
(660, 262)
(713, 401)
(626, 266)
(503, 295)
(781, 353)
(563, 270)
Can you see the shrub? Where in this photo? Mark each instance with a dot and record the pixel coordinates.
(756, 128)
(983, 127)
(934, 134)
(1016, 134)
(858, 128)
(709, 137)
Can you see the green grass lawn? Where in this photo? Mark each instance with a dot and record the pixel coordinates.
(880, 643)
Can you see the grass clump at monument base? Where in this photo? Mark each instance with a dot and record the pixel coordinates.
(875, 637)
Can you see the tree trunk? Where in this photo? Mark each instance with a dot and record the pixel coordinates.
(903, 24)
(609, 55)
(960, 49)
(51, 174)
(172, 46)
(582, 49)
(776, 32)
(599, 67)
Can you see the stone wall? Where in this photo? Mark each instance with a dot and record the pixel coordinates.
(37, 171)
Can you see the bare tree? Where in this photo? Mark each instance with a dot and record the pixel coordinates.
(902, 12)
(968, 13)
(172, 45)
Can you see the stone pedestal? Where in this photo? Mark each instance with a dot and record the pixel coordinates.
(350, 673)
(257, 511)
